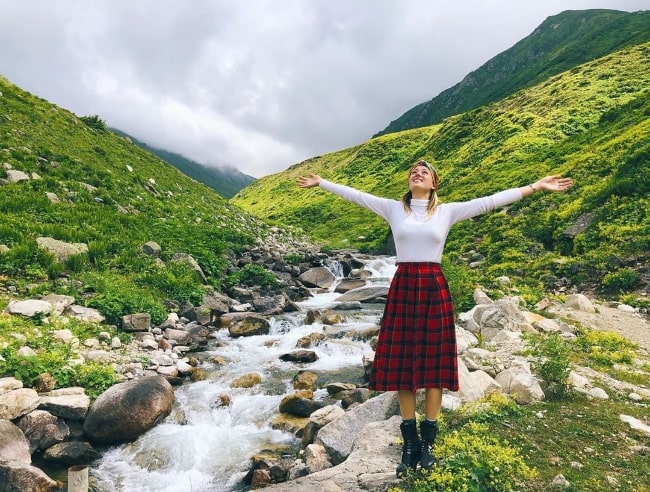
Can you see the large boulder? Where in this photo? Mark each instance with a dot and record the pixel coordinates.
(29, 308)
(317, 277)
(339, 436)
(43, 429)
(18, 402)
(14, 446)
(249, 326)
(19, 477)
(60, 249)
(126, 410)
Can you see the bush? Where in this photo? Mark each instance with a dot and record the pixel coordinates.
(94, 377)
(552, 363)
(620, 281)
(176, 281)
(462, 282)
(118, 296)
(251, 275)
(94, 122)
(605, 348)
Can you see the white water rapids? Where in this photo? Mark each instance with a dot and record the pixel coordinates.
(204, 447)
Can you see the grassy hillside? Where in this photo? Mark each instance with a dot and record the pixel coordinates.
(226, 181)
(560, 43)
(590, 123)
(113, 196)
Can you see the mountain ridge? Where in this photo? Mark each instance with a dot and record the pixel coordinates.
(561, 42)
(226, 181)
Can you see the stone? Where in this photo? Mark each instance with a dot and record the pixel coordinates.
(339, 436)
(68, 403)
(250, 325)
(18, 477)
(364, 294)
(579, 302)
(14, 446)
(18, 402)
(60, 249)
(317, 277)
(128, 409)
(29, 308)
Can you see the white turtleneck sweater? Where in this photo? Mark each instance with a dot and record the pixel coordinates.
(419, 238)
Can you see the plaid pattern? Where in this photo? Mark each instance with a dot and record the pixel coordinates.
(417, 340)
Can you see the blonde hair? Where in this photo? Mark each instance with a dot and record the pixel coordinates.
(434, 201)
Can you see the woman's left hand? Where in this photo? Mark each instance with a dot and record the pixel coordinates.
(553, 183)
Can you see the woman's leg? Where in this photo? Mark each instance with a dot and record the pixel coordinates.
(406, 404)
(432, 403)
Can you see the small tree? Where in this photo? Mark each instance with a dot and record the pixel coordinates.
(94, 122)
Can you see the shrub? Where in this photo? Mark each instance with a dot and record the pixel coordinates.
(94, 122)
(620, 281)
(462, 282)
(50, 358)
(94, 377)
(116, 297)
(605, 348)
(552, 363)
(176, 281)
(251, 275)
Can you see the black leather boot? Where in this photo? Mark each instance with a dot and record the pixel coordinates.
(429, 431)
(411, 448)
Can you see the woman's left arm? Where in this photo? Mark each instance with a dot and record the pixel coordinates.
(548, 183)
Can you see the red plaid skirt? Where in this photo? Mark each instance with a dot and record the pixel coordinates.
(417, 339)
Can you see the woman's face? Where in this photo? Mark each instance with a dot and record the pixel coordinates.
(421, 179)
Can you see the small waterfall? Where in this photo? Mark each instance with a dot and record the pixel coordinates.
(203, 446)
(336, 267)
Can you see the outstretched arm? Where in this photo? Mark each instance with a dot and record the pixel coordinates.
(548, 183)
(380, 206)
(308, 181)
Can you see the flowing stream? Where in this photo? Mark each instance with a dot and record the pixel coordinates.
(202, 446)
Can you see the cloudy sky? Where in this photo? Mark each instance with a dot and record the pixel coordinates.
(257, 84)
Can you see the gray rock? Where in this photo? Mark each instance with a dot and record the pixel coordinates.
(20, 477)
(43, 429)
(369, 466)
(126, 410)
(60, 249)
(363, 294)
(152, 248)
(317, 277)
(68, 403)
(71, 453)
(18, 402)
(29, 308)
(14, 446)
(339, 436)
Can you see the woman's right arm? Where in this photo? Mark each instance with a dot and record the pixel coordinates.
(380, 206)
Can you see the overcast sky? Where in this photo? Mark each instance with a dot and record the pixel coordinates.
(257, 84)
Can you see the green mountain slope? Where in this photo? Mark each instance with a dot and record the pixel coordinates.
(590, 123)
(226, 181)
(560, 43)
(89, 185)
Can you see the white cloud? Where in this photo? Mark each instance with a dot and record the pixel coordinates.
(260, 84)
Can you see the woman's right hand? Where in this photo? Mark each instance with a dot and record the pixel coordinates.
(308, 181)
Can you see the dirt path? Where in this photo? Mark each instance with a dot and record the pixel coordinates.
(632, 326)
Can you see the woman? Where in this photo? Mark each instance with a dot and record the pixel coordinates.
(417, 339)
